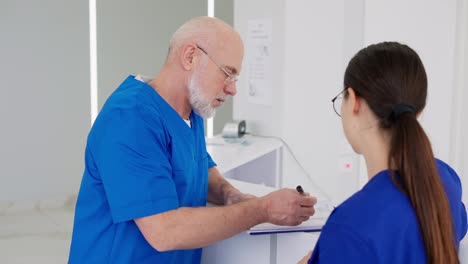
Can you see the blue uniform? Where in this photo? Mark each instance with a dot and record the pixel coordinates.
(379, 225)
(141, 159)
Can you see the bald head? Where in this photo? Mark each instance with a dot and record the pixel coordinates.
(204, 61)
(209, 32)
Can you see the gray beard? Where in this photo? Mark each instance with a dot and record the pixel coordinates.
(199, 103)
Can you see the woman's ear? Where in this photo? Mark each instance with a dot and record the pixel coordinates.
(354, 100)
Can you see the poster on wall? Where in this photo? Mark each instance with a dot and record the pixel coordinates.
(258, 61)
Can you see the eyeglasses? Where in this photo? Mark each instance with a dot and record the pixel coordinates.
(230, 78)
(337, 101)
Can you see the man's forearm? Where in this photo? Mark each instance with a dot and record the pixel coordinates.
(187, 228)
(218, 187)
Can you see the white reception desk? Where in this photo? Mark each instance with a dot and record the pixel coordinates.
(254, 166)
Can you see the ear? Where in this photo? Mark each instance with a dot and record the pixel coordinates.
(187, 56)
(355, 101)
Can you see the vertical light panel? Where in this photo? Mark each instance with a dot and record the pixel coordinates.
(93, 60)
(209, 121)
(459, 127)
(456, 139)
(211, 8)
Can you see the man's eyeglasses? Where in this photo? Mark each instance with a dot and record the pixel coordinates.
(337, 101)
(230, 78)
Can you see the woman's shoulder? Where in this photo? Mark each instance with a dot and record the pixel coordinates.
(447, 173)
(376, 205)
(444, 166)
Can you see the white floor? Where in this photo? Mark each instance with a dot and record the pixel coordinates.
(35, 236)
(43, 237)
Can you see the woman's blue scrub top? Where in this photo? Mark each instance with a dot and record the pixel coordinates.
(379, 225)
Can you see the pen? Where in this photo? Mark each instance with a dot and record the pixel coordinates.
(300, 190)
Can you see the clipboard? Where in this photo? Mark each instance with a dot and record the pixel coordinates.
(314, 224)
(323, 209)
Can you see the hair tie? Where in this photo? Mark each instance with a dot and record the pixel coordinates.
(400, 109)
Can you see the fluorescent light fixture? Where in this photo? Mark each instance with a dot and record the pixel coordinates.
(209, 121)
(211, 8)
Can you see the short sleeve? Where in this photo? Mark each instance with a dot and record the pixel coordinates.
(339, 245)
(132, 159)
(211, 163)
(463, 222)
(453, 188)
(460, 219)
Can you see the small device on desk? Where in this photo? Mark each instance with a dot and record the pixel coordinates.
(235, 129)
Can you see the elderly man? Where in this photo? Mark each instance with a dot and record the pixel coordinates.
(148, 175)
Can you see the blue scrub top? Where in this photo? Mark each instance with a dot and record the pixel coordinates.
(378, 224)
(141, 159)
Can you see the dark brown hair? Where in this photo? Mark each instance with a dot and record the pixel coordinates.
(391, 78)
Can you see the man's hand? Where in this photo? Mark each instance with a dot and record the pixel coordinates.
(288, 207)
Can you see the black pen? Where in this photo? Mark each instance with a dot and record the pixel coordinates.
(300, 190)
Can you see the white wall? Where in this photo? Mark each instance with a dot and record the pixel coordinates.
(429, 27)
(437, 30)
(308, 62)
(44, 101)
(315, 60)
(463, 118)
(264, 119)
(133, 37)
(312, 43)
(459, 142)
(45, 91)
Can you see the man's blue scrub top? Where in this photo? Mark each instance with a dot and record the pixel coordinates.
(141, 159)
(379, 225)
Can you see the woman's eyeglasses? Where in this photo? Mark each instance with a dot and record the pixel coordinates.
(337, 101)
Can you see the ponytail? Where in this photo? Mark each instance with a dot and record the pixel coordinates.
(412, 157)
(391, 78)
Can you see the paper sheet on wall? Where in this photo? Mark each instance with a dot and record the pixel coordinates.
(258, 61)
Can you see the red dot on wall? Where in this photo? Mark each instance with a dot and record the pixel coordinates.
(348, 166)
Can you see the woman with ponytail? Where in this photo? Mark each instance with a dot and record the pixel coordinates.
(410, 211)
